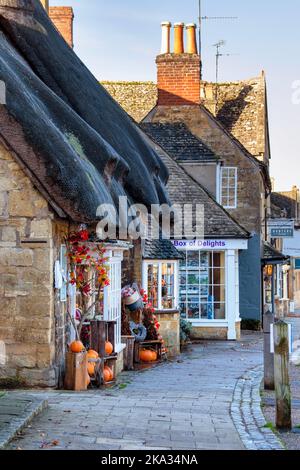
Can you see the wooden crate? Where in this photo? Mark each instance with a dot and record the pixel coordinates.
(102, 331)
(76, 371)
(128, 352)
(156, 345)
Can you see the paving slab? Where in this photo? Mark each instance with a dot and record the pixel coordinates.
(17, 410)
(178, 405)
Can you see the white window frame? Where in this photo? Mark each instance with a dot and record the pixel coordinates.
(222, 171)
(112, 296)
(175, 263)
(63, 295)
(214, 322)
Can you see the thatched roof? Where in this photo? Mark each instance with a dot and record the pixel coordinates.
(69, 133)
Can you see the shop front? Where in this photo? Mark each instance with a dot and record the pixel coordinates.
(203, 285)
(208, 286)
(275, 268)
(160, 276)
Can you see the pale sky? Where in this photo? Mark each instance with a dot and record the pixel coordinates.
(119, 39)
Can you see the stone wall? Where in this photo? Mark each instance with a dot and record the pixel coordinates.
(136, 98)
(27, 325)
(241, 107)
(132, 265)
(214, 333)
(170, 331)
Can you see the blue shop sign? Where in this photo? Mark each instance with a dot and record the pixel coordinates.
(282, 233)
(297, 263)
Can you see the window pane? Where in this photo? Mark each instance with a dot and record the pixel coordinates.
(204, 290)
(153, 284)
(219, 309)
(192, 259)
(168, 285)
(193, 278)
(193, 311)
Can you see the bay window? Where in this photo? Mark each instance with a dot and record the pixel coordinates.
(160, 284)
(202, 286)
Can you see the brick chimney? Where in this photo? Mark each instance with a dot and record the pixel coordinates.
(62, 18)
(178, 73)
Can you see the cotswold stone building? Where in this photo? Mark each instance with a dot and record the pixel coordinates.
(231, 121)
(64, 150)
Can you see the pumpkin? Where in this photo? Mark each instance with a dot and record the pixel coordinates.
(76, 347)
(154, 356)
(88, 380)
(91, 354)
(107, 374)
(146, 355)
(108, 348)
(91, 368)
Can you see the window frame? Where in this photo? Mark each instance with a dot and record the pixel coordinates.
(112, 310)
(206, 321)
(160, 263)
(222, 171)
(63, 294)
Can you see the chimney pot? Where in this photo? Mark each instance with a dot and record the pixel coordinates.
(165, 39)
(178, 38)
(191, 39)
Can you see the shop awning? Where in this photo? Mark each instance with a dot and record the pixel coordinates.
(273, 256)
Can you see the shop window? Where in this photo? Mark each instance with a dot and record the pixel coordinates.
(202, 286)
(228, 187)
(160, 284)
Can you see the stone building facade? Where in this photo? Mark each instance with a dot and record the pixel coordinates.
(32, 327)
(231, 119)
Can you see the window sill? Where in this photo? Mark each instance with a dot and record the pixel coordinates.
(208, 323)
(165, 311)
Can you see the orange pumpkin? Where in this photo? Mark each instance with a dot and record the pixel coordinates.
(91, 354)
(108, 348)
(91, 368)
(76, 347)
(88, 380)
(107, 374)
(146, 355)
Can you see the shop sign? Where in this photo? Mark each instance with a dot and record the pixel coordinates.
(210, 245)
(291, 246)
(281, 228)
(297, 263)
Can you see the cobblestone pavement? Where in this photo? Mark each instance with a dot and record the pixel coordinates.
(291, 439)
(247, 414)
(185, 404)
